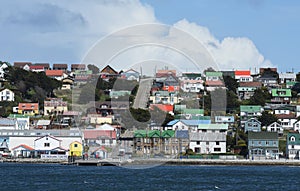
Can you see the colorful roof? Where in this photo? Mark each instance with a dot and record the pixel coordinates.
(250, 84)
(213, 126)
(193, 111)
(145, 133)
(211, 74)
(168, 133)
(26, 147)
(28, 106)
(163, 107)
(242, 73)
(296, 140)
(54, 72)
(281, 92)
(250, 108)
(262, 135)
(95, 134)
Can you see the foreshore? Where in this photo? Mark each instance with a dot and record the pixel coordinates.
(237, 162)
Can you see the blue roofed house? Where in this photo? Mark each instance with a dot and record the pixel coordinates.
(263, 145)
(209, 139)
(176, 125)
(293, 146)
(253, 125)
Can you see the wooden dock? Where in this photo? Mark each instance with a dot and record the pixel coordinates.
(93, 162)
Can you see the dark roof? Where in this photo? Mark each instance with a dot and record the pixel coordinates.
(108, 69)
(262, 135)
(60, 65)
(45, 65)
(182, 134)
(21, 64)
(250, 84)
(77, 66)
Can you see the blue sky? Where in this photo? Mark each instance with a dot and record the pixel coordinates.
(273, 25)
(245, 33)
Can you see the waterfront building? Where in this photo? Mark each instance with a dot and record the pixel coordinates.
(293, 146)
(209, 139)
(263, 145)
(76, 149)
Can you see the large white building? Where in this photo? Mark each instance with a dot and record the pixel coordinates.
(7, 95)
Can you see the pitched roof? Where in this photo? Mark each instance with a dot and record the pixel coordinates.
(213, 126)
(26, 147)
(250, 108)
(95, 134)
(52, 137)
(182, 134)
(108, 69)
(28, 106)
(54, 72)
(281, 92)
(286, 116)
(214, 83)
(193, 111)
(60, 66)
(242, 73)
(77, 66)
(36, 67)
(21, 64)
(43, 122)
(263, 135)
(296, 136)
(163, 107)
(168, 133)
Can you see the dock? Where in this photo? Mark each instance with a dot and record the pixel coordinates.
(94, 162)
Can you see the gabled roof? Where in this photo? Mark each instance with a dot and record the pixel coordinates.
(195, 122)
(168, 133)
(163, 107)
(94, 133)
(274, 123)
(250, 84)
(108, 69)
(214, 83)
(296, 136)
(36, 67)
(21, 64)
(106, 127)
(173, 122)
(262, 135)
(211, 74)
(213, 126)
(43, 122)
(26, 147)
(253, 119)
(47, 136)
(182, 134)
(145, 133)
(60, 66)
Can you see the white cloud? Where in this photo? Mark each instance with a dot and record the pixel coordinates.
(230, 53)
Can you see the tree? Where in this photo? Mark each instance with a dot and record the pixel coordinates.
(94, 68)
(230, 83)
(232, 101)
(260, 96)
(267, 118)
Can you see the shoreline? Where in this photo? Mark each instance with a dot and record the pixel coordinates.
(176, 162)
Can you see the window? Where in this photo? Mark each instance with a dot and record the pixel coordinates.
(217, 143)
(197, 150)
(198, 142)
(46, 144)
(207, 143)
(217, 149)
(75, 145)
(103, 141)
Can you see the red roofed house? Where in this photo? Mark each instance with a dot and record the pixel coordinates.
(63, 67)
(23, 151)
(243, 76)
(99, 137)
(77, 67)
(165, 73)
(36, 68)
(56, 74)
(45, 65)
(28, 108)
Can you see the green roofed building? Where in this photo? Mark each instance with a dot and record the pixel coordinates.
(281, 96)
(212, 76)
(249, 111)
(293, 146)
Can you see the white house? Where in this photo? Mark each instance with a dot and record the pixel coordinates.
(275, 127)
(46, 143)
(3, 66)
(296, 126)
(176, 125)
(286, 120)
(209, 139)
(7, 95)
(287, 77)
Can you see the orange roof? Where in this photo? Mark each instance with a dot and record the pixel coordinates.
(242, 73)
(24, 146)
(54, 72)
(163, 107)
(28, 106)
(214, 83)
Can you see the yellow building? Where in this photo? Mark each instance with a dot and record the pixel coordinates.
(76, 149)
(28, 108)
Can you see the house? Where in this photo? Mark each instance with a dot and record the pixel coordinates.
(249, 111)
(263, 145)
(191, 82)
(36, 68)
(183, 140)
(46, 66)
(281, 96)
(293, 146)
(98, 137)
(22, 151)
(23, 121)
(252, 124)
(213, 76)
(165, 97)
(247, 89)
(296, 126)
(63, 67)
(275, 127)
(43, 124)
(171, 84)
(3, 66)
(209, 139)
(100, 153)
(168, 108)
(224, 119)
(49, 147)
(286, 120)
(75, 67)
(76, 149)
(83, 75)
(243, 75)
(56, 74)
(7, 95)
(287, 77)
(191, 114)
(131, 74)
(269, 78)
(23, 65)
(55, 106)
(213, 85)
(67, 83)
(28, 108)
(176, 125)
(108, 72)
(165, 73)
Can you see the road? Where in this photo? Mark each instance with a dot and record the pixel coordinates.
(143, 93)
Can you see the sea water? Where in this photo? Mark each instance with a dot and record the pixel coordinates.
(29, 177)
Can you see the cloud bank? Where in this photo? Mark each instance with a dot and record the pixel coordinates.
(60, 31)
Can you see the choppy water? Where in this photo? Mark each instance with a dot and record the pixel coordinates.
(29, 177)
